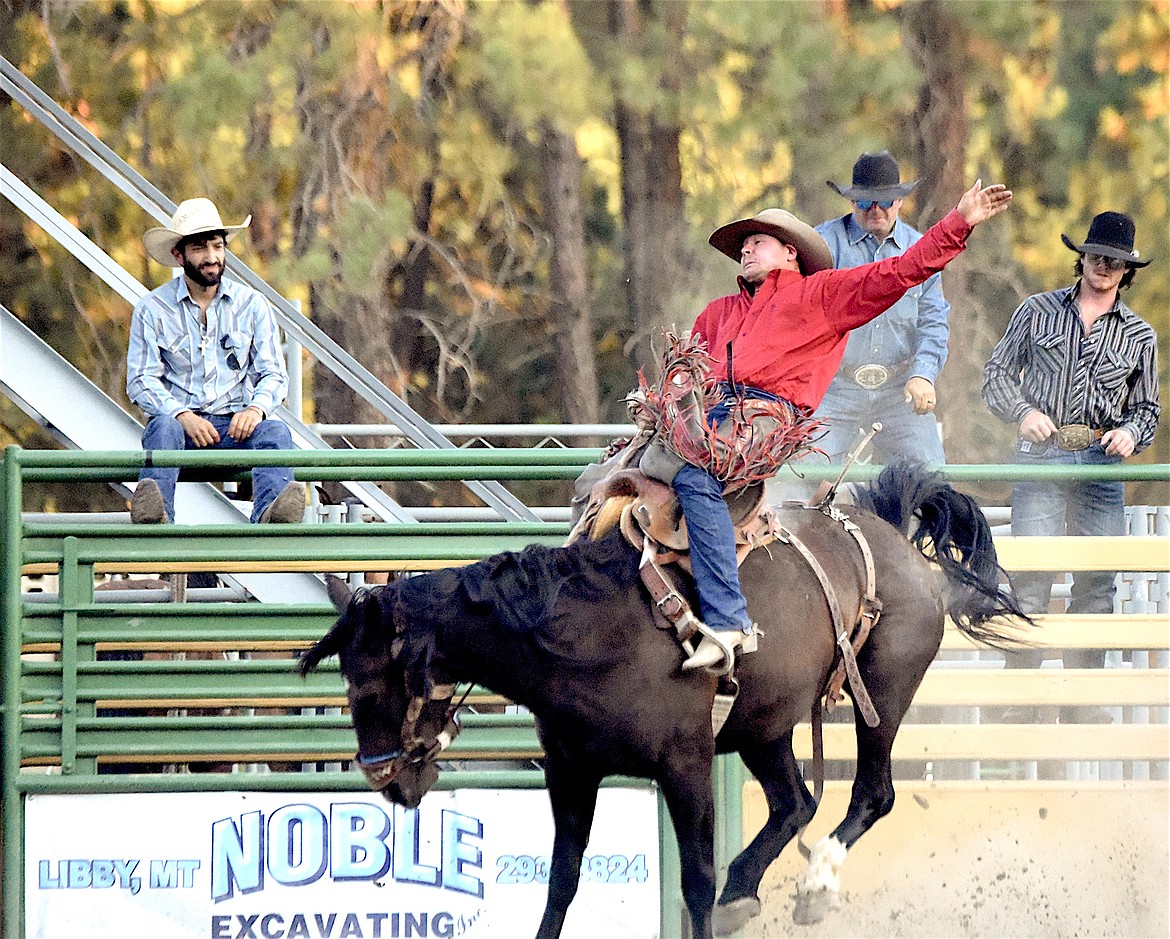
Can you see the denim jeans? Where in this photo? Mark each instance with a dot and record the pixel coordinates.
(166, 433)
(850, 410)
(1066, 508)
(712, 538)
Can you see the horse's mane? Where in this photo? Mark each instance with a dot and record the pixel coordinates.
(538, 591)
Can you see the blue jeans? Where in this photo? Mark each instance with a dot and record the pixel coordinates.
(166, 433)
(1065, 508)
(850, 411)
(712, 539)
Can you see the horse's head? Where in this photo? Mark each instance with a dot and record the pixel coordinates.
(402, 718)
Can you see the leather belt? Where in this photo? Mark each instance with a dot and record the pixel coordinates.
(873, 376)
(1077, 436)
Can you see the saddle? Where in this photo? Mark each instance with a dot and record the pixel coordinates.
(632, 497)
(650, 519)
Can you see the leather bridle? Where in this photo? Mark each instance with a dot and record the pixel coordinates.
(380, 771)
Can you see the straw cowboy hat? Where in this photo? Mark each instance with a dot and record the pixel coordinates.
(811, 250)
(192, 217)
(875, 176)
(1111, 235)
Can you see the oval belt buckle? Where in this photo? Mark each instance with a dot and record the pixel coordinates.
(871, 377)
(1074, 436)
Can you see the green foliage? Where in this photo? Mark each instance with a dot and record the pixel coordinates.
(345, 127)
(526, 60)
(366, 230)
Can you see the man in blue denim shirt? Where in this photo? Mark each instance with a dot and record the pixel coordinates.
(890, 366)
(205, 365)
(1077, 372)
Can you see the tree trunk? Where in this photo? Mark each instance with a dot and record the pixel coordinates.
(571, 315)
(939, 131)
(653, 203)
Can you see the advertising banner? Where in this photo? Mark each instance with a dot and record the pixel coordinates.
(467, 863)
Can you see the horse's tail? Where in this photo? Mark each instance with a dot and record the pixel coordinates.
(950, 529)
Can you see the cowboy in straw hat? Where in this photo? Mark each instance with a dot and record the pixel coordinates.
(192, 217)
(891, 364)
(1077, 373)
(786, 329)
(206, 367)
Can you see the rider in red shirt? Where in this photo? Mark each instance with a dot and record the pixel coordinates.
(787, 329)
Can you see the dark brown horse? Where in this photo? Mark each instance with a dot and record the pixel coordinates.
(569, 633)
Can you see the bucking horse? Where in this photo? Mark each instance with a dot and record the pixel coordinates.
(571, 633)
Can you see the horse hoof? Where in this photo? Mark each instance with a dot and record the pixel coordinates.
(732, 916)
(812, 905)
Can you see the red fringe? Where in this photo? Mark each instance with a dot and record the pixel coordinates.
(745, 450)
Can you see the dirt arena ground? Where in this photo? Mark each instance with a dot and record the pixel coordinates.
(989, 861)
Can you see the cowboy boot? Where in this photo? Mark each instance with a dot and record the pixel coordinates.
(146, 504)
(716, 651)
(288, 506)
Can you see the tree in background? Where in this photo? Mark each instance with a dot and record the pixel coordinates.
(493, 206)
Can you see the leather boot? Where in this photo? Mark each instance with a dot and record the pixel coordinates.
(288, 506)
(716, 652)
(146, 505)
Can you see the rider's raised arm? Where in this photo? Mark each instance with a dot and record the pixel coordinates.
(854, 296)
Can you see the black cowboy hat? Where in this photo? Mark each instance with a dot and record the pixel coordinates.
(875, 176)
(811, 250)
(1111, 235)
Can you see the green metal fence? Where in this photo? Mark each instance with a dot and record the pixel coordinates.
(71, 709)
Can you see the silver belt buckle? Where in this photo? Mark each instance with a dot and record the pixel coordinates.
(871, 377)
(1074, 436)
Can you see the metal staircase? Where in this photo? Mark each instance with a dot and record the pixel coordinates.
(81, 416)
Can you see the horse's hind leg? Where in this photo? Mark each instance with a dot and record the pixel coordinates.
(572, 791)
(892, 669)
(872, 797)
(790, 807)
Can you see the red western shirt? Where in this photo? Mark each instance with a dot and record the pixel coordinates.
(789, 336)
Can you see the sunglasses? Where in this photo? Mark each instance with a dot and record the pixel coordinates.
(866, 204)
(1110, 264)
(232, 361)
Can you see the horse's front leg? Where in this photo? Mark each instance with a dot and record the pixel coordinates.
(687, 790)
(572, 790)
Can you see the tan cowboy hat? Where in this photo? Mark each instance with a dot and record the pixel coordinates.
(811, 250)
(192, 217)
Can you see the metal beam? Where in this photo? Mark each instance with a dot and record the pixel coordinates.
(81, 416)
(295, 324)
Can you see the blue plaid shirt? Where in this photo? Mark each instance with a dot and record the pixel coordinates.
(913, 332)
(175, 363)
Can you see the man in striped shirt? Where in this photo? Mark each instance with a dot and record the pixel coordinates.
(205, 365)
(1077, 372)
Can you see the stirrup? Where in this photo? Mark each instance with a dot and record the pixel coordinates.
(716, 651)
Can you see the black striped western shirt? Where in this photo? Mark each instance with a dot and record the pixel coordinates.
(1107, 379)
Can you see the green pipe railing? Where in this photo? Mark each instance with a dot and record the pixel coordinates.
(48, 710)
(472, 464)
